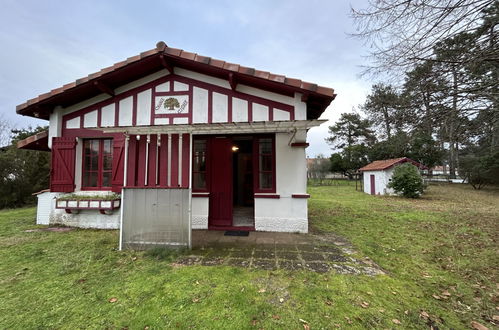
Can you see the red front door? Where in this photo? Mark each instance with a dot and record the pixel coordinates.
(373, 187)
(220, 207)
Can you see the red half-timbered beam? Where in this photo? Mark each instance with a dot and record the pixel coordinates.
(232, 81)
(104, 88)
(165, 63)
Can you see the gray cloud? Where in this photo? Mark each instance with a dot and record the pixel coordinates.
(47, 44)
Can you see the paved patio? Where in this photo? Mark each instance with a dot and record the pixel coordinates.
(271, 251)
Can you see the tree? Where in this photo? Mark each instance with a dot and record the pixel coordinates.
(402, 34)
(22, 172)
(349, 160)
(319, 168)
(382, 107)
(406, 181)
(350, 130)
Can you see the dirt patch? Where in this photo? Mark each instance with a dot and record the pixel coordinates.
(238, 262)
(264, 254)
(318, 267)
(212, 261)
(287, 255)
(308, 256)
(264, 264)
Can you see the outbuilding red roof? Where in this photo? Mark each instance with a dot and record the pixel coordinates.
(380, 165)
(106, 80)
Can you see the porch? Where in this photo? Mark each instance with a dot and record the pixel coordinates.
(272, 251)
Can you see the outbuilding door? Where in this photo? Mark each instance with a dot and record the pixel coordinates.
(373, 185)
(220, 208)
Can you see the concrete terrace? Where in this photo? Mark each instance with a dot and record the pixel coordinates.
(271, 251)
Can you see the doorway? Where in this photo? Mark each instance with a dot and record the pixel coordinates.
(373, 185)
(231, 201)
(242, 180)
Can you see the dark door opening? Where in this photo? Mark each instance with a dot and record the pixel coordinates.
(373, 183)
(242, 182)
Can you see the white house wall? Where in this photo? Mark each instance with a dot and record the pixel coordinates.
(381, 180)
(200, 212)
(283, 214)
(199, 99)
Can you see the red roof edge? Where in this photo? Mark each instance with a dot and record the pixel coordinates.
(41, 105)
(39, 142)
(380, 165)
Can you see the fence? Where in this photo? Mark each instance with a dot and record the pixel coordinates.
(155, 217)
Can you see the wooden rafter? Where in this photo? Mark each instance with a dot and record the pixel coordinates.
(165, 63)
(232, 81)
(104, 88)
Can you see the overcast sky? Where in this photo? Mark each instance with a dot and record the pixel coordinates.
(45, 44)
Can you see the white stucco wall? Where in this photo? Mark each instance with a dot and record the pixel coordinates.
(86, 219)
(83, 219)
(200, 212)
(382, 178)
(45, 205)
(286, 214)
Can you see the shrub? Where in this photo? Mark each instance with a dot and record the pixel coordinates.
(407, 181)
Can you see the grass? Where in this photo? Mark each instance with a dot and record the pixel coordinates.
(440, 253)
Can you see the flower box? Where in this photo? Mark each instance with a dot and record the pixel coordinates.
(104, 205)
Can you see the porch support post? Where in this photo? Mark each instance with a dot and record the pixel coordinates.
(125, 174)
(169, 160)
(120, 247)
(158, 145)
(189, 231)
(146, 177)
(125, 183)
(180, 140)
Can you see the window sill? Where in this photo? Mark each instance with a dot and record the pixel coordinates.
(274, 196)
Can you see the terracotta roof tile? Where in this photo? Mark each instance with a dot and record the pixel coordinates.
(277, 78)
(202, 59)
(162, 48)
(262, 74)
(188, 55)
(231, 66)
(217, 63)
(81, 80)
(173, 51)
(293, 82)
(325, 90)
(148, 53)
(246, 70)
(379, 165)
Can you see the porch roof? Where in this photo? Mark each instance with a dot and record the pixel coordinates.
(38, 141)
(219, 128)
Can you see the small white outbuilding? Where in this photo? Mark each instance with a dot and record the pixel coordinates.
(378, 174)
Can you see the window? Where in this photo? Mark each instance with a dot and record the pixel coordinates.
(199, 165)
(266, 165)
(97, 164)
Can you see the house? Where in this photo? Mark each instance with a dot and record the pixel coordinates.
(169, 141)
(378, 174)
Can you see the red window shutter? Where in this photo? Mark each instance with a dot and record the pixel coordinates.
(118, 163)
(62, 171)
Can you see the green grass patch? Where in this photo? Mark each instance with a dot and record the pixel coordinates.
(440, 254)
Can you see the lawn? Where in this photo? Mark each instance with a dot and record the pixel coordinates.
(440, 254)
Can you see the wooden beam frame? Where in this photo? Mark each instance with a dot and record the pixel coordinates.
(104, 88)
(232, 81)
(165, 63)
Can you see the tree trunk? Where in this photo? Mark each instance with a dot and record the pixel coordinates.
(452, 127)
(387, 123)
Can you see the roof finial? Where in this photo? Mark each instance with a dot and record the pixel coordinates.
(161, 45)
